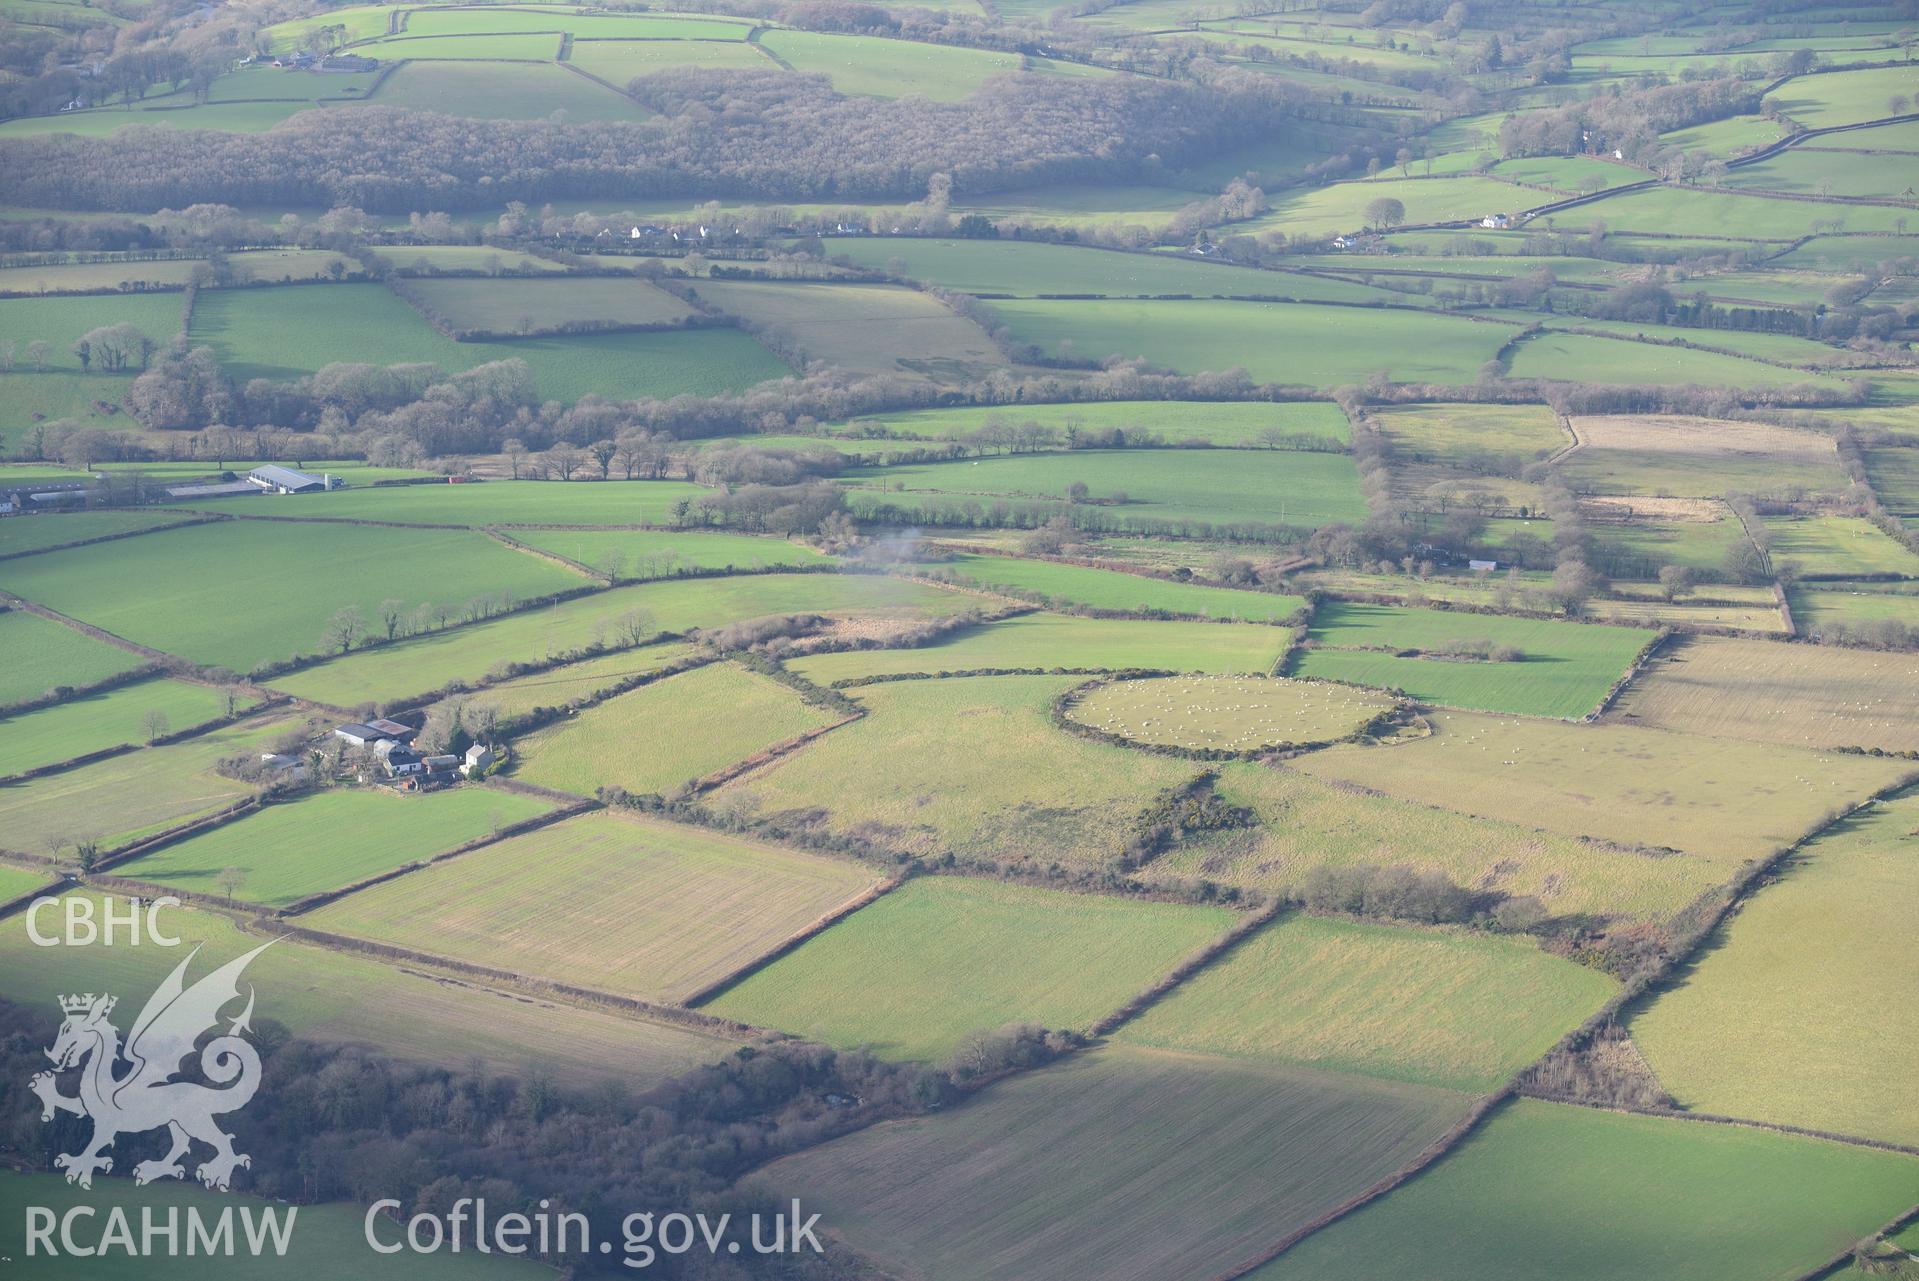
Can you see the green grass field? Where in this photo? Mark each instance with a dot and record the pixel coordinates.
(1232, 422)
(329, 996)
(18, 537)
(330, 839)
(1837, 547)
(501, 93)
(271, 333)
(1853, 605)
(429, 662)
(645, 554)
(1823, 173)
(1779, 349)
(1024, 269)
(509, 306)
(325, 1241)
(885, 976)
(16, 881)
(131, 274)
(1296, 343)
(588, 26)
(1549, 1190)
(870, 328)
(43, 655)
(1233, 713)
(1715, 799)
(1220, 487)
(562, 685)
(1303, 823)
(115, 801)
(1564, 173)
(971, 766)
(1115, 590)
(1840, 97)
(663, 735)
(1637, 549)
(1789, 1013)
(1473, 437)
(1125, 1164)
(500, 502)
(490, 46)
(619, 62)
(242, 593)
(361, 22)
(1046, 641)
(890, 68)
(1457, 1009)
(645, 909)
(227, 117)
(485, 259)
(1666, 208)
(1564, 669)
(59, 321)
(1324, 212)
(1585, 358)
(77, 727)
(1797, 696)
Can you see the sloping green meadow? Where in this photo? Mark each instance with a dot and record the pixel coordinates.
(1563, 670)
(243, 593)
(1789, 1014)
(330, 839)
(972, 766)
(662, 735)
(890, 976)
(1124, 1163)
(1544, 1189)
(1457, 1009)
(76, 727)
(1127, 487)
(42, 655)
(1109, 589)
(1045, 641)
(336, 997)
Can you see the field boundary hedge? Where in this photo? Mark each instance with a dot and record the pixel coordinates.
(767, 756)
(182, 523)
(1061, 706)
(157, 656)
(1189, 965)
(1420, 1162)
(1647, 652)
(541, 717)
(122, 749)
(61, 693)
(794, 941)
(159, 840)
(612, 1001)
(59, 884)
(505, 539)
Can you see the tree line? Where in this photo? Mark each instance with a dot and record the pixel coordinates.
(786, 137)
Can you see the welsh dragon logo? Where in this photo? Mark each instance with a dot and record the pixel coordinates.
(146, 1097)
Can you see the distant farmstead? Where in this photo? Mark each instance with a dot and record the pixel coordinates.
(284, 480)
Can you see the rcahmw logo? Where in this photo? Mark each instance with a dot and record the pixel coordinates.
(147, 1097)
